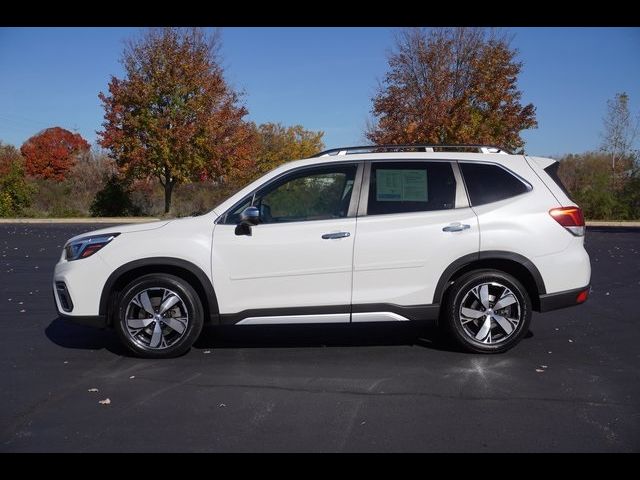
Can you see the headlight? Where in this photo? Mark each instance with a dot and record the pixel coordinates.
(86, 246)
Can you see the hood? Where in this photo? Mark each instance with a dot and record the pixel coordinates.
(127, 228)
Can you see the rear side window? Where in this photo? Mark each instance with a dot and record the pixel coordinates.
(552, 171)
(490, 183)
(401, 187)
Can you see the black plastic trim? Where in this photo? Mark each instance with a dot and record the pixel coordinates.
(552, 172)
(461, 262)
(63, 296)
(161, 262)
(555, 301)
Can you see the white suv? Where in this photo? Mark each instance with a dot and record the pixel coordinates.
(475, 240)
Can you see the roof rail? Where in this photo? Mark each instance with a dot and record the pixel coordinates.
(418, 146)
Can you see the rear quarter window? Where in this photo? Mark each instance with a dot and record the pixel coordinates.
(552, 171)
(490, 183)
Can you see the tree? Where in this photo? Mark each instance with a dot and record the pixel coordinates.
(277, 144)
(15, 192)
(8, 156)
(587, 176)
(449, 86)
(51, 153)
(113, 200)
(619, 136)
(174, 117)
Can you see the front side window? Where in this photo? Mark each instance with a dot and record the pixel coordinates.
(401, 187)
(319, 193)
(490, 183)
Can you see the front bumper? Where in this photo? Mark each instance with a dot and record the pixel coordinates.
(77, 287)
(83, 280)
(96, 321)
(568, 298)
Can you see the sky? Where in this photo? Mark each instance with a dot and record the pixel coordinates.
(321, 78)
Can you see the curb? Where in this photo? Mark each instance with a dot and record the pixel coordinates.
(597, 223)
(81, 220)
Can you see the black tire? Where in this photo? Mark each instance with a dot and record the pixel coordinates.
(462, 335)
(178, 343)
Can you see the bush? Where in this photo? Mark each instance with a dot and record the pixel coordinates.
(53, 199)
(113, 200)
(588, 177)
(200, 197)
(15, 192)
(188, 199)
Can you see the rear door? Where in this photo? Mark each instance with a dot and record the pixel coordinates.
(414, 220)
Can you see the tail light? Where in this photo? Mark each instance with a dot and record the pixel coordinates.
(582, 296)
(570, 218)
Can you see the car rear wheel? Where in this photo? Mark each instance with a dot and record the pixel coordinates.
(159, 316)
(487, 311)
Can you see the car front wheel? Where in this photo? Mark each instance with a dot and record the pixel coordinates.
(159, 316)
(487, 311)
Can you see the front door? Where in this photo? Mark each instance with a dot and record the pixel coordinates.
(296, 266)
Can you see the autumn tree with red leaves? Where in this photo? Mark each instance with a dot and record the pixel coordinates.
(174, 117)
(51, 153)
(451, 86)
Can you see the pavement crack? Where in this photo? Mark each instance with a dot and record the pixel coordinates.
(369, 393)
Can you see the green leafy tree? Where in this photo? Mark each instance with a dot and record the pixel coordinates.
(451, 86)
(173, 116)
(15, 192)
(277, 144)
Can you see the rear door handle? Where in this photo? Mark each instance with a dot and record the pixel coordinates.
(456, 227)
(328, 236)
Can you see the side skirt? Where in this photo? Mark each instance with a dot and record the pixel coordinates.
(373, 312)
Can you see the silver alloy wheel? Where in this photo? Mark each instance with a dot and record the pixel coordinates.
(156, 318)
(490, 313)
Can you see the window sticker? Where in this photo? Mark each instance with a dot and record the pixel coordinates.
(401, 185)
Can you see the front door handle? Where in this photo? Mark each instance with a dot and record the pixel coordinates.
(455, 227)
(328, 236)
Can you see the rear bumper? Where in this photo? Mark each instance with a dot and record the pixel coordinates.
(568, 298)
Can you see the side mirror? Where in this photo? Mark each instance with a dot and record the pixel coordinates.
(250, 216)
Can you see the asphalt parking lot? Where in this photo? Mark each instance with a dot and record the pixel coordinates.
(572, 386)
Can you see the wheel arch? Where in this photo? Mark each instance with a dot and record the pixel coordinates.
(173, 266)
(512, 263)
